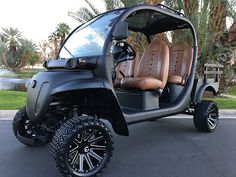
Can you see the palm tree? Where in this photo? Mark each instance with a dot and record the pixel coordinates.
(114, 4)
(84, 14)
(56, 39)
(53, 39)
(217, 20)
(3, 51)
(62, 31)
(43, 45)
(14, 50)
(11, 37)
(152, 1)
(14, 54)
(26, 50)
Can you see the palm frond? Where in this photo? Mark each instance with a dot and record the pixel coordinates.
(76, 17)
(28, 45)
(113, 4)
(11, 36)
(230, 8)
(3, 51)
(94, 9)
(128, 3)
(82, 15)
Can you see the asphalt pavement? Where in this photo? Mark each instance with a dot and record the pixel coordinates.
(163, 148)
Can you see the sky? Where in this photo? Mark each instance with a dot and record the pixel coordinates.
(37, 19)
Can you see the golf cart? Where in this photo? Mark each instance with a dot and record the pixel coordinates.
(99, 78)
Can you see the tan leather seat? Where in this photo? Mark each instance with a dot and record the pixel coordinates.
(153, 68)
(181, 56)
(126, 69)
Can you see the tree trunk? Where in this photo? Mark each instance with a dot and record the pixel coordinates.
(153, 1)
(232, 34)
(217, 18)
(190, 7)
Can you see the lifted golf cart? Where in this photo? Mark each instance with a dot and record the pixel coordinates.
(98, 75)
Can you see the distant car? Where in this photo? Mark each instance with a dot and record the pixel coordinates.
(98, 75)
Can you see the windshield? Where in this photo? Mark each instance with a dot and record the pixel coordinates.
(89, 39)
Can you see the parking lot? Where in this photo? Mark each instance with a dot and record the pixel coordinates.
(164, 148)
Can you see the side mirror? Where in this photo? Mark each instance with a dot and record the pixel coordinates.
(121, 31)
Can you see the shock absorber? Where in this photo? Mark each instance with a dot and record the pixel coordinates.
(76, 111)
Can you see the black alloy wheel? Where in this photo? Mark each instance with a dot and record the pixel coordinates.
(206, 116)
(82, 147)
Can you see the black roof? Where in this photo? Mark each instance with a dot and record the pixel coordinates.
(151, 22)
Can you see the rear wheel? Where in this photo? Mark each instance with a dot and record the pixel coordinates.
(206, 116)
(26, 132)
(82, 147)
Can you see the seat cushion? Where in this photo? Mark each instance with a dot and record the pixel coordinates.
(141, 83)
(176, 79)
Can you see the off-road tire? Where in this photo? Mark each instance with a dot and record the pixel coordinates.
(75, 130)
(19, 128)
(206, 116)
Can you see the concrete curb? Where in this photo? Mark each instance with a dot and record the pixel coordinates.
(7, 113)
(227, 96)
(224, 114)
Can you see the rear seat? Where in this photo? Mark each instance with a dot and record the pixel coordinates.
(181, 56)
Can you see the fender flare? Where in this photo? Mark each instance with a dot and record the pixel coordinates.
(117, 119)
(200, 90)
(81, 84)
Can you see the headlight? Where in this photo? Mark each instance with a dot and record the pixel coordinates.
(82, 62)
(72, 63)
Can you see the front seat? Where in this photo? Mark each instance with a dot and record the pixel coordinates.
(153, 68)
(181, 56)
(126, 69)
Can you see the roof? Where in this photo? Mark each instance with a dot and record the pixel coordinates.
(151, 21)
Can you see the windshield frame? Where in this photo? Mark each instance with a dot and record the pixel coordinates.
(84, 25)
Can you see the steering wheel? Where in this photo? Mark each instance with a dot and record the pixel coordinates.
(123, 51)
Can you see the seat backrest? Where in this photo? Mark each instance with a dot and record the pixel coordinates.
(181, 56)
(127, 68)
(155, 61)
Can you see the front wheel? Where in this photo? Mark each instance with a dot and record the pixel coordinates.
(82, 146)
(206, 116)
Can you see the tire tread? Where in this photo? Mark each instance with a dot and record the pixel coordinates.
(201, 114)
(62, 136)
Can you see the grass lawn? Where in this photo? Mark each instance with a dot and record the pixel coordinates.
(232, 91)
(11, 100)
(225, 103)
(21, 74)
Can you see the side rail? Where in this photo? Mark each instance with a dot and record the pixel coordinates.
(212, 72)
(162, 6)
(210, 82)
